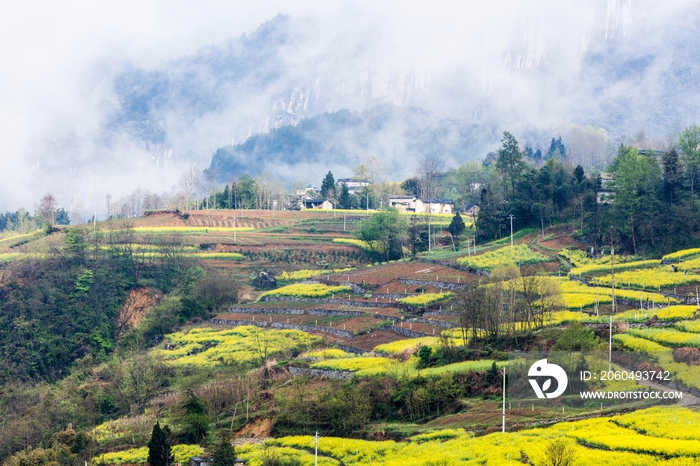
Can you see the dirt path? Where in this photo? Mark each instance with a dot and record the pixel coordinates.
(688, 398)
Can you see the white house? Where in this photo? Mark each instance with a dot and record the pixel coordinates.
(305, 191)
(421, 206)
(354, 185)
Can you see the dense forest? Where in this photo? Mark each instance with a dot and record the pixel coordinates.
(647, 200)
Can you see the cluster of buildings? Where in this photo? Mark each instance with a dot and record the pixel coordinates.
(400, 203)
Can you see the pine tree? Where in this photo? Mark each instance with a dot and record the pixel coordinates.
(457, 226)
(226, 201)
(344, 197)
(328, 186)
(224, 453)
(159, 447)
(510, 162)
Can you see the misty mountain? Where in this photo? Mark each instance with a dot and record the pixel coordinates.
(371, 84)
(624, 79)
(339, 141)
(193, 87)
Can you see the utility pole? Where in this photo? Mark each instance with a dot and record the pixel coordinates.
(316, 437)
(511, 230)
(234, 228)
(504, 401)
(344, 215)
(612, 311)
(429, 242)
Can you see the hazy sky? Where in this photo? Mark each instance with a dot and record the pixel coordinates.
(522, 59)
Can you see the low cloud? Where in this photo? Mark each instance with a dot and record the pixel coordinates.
(534, 68)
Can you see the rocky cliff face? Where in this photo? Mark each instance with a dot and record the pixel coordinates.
(621, 65)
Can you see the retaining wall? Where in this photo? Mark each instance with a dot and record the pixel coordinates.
(435, 283)
(350, 349)
(344, 302)
(404, 332)
(436, 323)
(307, 372)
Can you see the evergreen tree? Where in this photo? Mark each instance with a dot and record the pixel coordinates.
(578, 173)
(196, 419)
(225, 200)
(328, 186)
(556, 149)
(457, 226)
(224, 453)
(672, 175)
(537, 157)
(159, 447)
(510, 162)
(344, 197)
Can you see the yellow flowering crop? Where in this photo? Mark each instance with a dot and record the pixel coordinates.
(356, 364)
(424, 299)
(569, 287)
(353, 242)
(241, 345)
(182, 454)
(503, 256)
(681, 255)
(692, 326)
(400, 346)
(667, 336)
(653, 278)
(663, 422)
(603, 268)
(302, 290)
(617, 440)
(581, 300)
(327, 353)
(638, 344)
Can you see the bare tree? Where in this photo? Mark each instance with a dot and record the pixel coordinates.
(374, 168)
(210, 187)
(47, 208)
(188, 183)
(108, 203)
(470, 309)
(428, 170)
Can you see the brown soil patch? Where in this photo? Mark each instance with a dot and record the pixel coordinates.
(259, 428)
(382, 275)
(368, 341)
(561, 242)
(140, 300)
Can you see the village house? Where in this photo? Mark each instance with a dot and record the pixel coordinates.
(471, 211)
(307, 191)
(354, 185)
(309, 203)
(421, 206)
